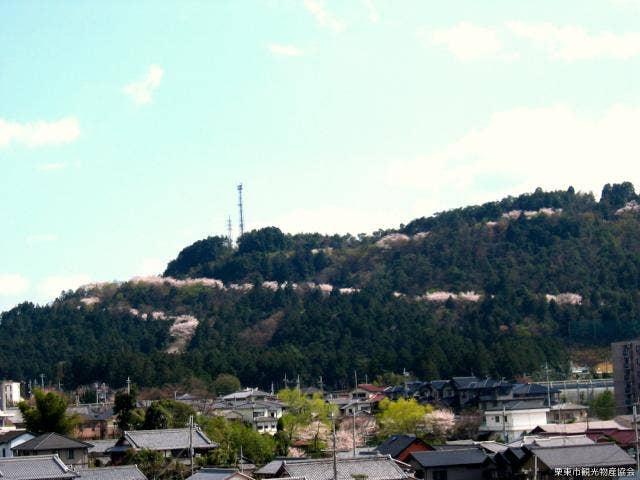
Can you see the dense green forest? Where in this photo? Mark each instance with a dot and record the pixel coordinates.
(496, 289)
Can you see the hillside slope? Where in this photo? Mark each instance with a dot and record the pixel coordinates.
(494, 289)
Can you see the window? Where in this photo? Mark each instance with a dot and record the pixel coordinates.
(4, 452)
(70, 454)
(439, 475)
(497, 419)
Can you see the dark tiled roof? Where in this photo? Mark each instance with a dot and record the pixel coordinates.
(101, 446)
(92, 412)
(374, 468)
(465, 382)
(439, 384)
(532, 389)
(520, 405)
(167, 439)
(125, 472)
(596, 455)
(12, 434)
(36, 467)
(395, 444)
(458, 456)
(50, 441)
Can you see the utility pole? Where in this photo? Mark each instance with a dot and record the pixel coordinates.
(321, 385)
(635, 426)
(354, 432)
(229, 231)
(405, 374)
(546, 368)
(335, 457)
(128, 386)
(191, 443)
(504, 424)
(355, 378)
(42, 381)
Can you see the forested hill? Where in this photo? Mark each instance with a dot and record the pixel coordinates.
(493, 289)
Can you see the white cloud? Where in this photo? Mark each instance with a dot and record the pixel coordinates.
(551, 147)
(141, 91)
(372, 11)
(323, 16)
(53, 286)
(47, 167)
(626, 3)
(285, 50)
(42, 238)
(13, 284)
(573, 42)
(39, 133)
(465, 40)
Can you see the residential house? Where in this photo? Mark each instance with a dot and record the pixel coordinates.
(365, 390)
(514, 419)
(605, 427)
(400, 447)
(367, 467)
(567, 412)
(219, 474)
(98, 453)
(172, 442)
(246, 395)
(69, 450)
(468, 463)
(545, 462)
(124, 472)
(97, 421)
(40, 467)
(262, 415)
(271, 469)
(11, 439)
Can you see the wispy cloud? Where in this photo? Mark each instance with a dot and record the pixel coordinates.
(13, 284)
(141, 91)
(323, 16)
(372, 11)
(42, 238)
(53, 286)
(47, 167)
(465, 41)
(551, 147)
(285, 50)
(573, 42)
(39, 133)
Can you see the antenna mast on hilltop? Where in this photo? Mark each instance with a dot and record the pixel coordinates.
(229, 231)
(240, 207)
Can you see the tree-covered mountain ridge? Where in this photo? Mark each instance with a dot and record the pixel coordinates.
(497, 289)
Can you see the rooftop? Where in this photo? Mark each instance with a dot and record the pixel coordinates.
(50, 441)
(457, 456)
(375, 468)
(125, 472)
(167, 439)
(595, 455)
(35, 467)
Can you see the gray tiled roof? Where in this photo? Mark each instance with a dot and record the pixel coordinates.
(100, 446)
(50, 441)
(457, 456)
(13, 434)
(375, 468)
(125, 472)
(215, 474)
(36, 467)
(596, 455)
(167, 439)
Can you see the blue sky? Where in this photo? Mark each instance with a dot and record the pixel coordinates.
(125, 126)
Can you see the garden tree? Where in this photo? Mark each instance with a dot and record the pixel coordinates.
(305, 418)
(439, 424)
(178, 413)
(401, 416)
(366, 428)
(124, 408)
(230, 436)
(48, 413)
(604, 406)
(225, 383)
(156, 417)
